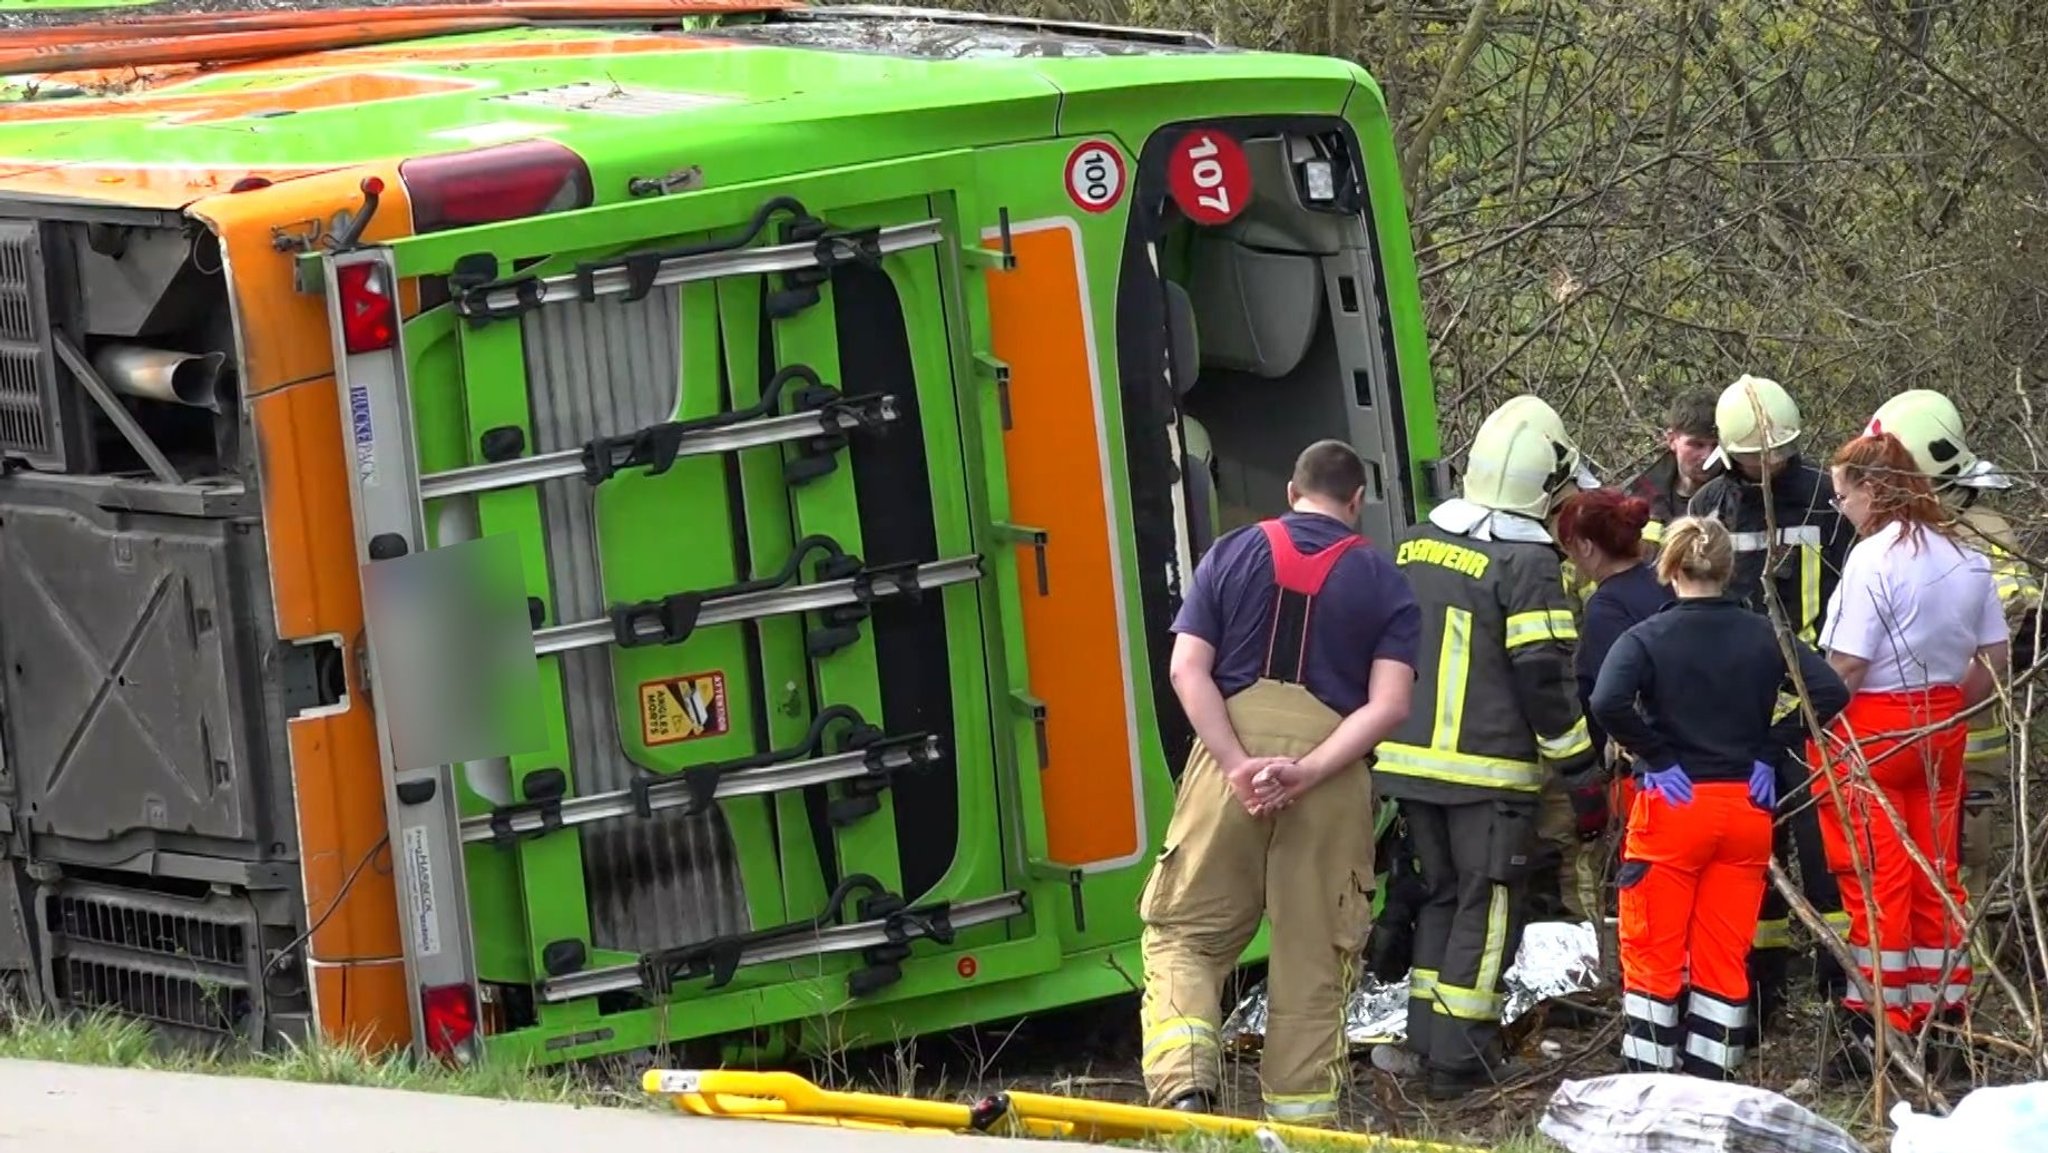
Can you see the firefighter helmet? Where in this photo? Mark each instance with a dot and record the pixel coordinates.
(1755, 415)
(1927, 423)
(1521, 458)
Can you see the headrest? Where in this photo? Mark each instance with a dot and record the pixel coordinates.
(1257, 311)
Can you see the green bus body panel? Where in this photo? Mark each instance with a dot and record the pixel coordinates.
(860, 138)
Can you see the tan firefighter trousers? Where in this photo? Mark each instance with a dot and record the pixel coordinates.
(1309, 867)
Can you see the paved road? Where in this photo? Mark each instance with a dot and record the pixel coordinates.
(46, 1108)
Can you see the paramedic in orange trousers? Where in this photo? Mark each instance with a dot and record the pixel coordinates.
(1295, 655)
(1915, 627)
(1690, 694)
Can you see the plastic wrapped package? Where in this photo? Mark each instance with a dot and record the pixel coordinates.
(1671, 1113)
(1997, 1119)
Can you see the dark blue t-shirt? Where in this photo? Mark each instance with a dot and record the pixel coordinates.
(1623, 599)
(1366, 612)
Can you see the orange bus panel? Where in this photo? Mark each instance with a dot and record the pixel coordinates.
(1076, 647)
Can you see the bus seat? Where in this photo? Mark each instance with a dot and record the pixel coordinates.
(1257, 311)
(1205, 513)
(1182, 339)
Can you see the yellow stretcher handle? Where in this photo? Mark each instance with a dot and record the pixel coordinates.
(783, 1096)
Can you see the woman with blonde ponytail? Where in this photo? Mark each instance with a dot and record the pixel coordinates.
(1690, 694)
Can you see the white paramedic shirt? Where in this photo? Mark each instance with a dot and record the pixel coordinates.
(1918, 612)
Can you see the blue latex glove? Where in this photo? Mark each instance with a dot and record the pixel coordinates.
(1671, 784)
(1763, 786)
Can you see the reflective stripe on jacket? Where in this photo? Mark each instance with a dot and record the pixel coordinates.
(1495, 706)
(1795, 549)
(1989, 533)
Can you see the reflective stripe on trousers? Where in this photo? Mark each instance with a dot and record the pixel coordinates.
(1719, 1032)
(1309, 869)
(1481, 1002)
(1921, 774)
(1938, 978)
(1467, 928)
(1690, 886)
(1652, 1030)
(1318, 1109)
(1171, 1034)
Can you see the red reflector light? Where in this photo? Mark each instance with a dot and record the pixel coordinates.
(369, 310)
(449, 1014)
(502, 182)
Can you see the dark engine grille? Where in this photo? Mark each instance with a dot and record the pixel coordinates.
(29, 423)
(157, 996)
(182, 963)
(151, 930)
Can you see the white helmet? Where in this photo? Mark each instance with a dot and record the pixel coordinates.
(1927, 423)
(1521, 458)
(1755, 415)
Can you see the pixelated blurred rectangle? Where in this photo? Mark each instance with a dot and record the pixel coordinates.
(456, 675)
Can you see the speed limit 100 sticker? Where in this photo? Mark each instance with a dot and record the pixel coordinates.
(1095, 176)
(1209, 177)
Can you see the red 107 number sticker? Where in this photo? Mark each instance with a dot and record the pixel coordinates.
(1095, 176)
(1208, 176)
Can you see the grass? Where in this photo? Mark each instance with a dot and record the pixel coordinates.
(110, 1040)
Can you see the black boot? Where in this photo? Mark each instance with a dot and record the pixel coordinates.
(1768, 977)
(1854, 1057)
(1447, 1084)
(1194, 1101)
(1949, 1053)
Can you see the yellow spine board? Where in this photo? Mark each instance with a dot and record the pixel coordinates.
(788, 1097)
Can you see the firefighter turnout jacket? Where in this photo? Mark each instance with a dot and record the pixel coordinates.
(1657, 486)
(1793, 550)
(1498, 709)
(1789, 550)
(1987, 759)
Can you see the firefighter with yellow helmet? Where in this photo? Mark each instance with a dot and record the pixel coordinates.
(1927, 423)
(1496, 714)
(1790, 545)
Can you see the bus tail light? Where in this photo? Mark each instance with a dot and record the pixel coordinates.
(487, 185)
(369, 309)
(449, 1014)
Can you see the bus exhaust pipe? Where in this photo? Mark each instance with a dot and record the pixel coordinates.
(161, 374)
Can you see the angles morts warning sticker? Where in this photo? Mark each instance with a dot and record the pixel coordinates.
(683, 708)
(1095, 175)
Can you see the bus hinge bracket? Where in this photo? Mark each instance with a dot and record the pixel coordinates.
(997, 372)
(1001, 258)
(1034, 709)
(1036, 539)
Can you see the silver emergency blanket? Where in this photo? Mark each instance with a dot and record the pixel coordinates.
(1556, 959)
(1671, 1113)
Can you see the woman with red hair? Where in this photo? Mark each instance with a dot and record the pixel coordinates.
(1601, 532)
(1915, 630)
